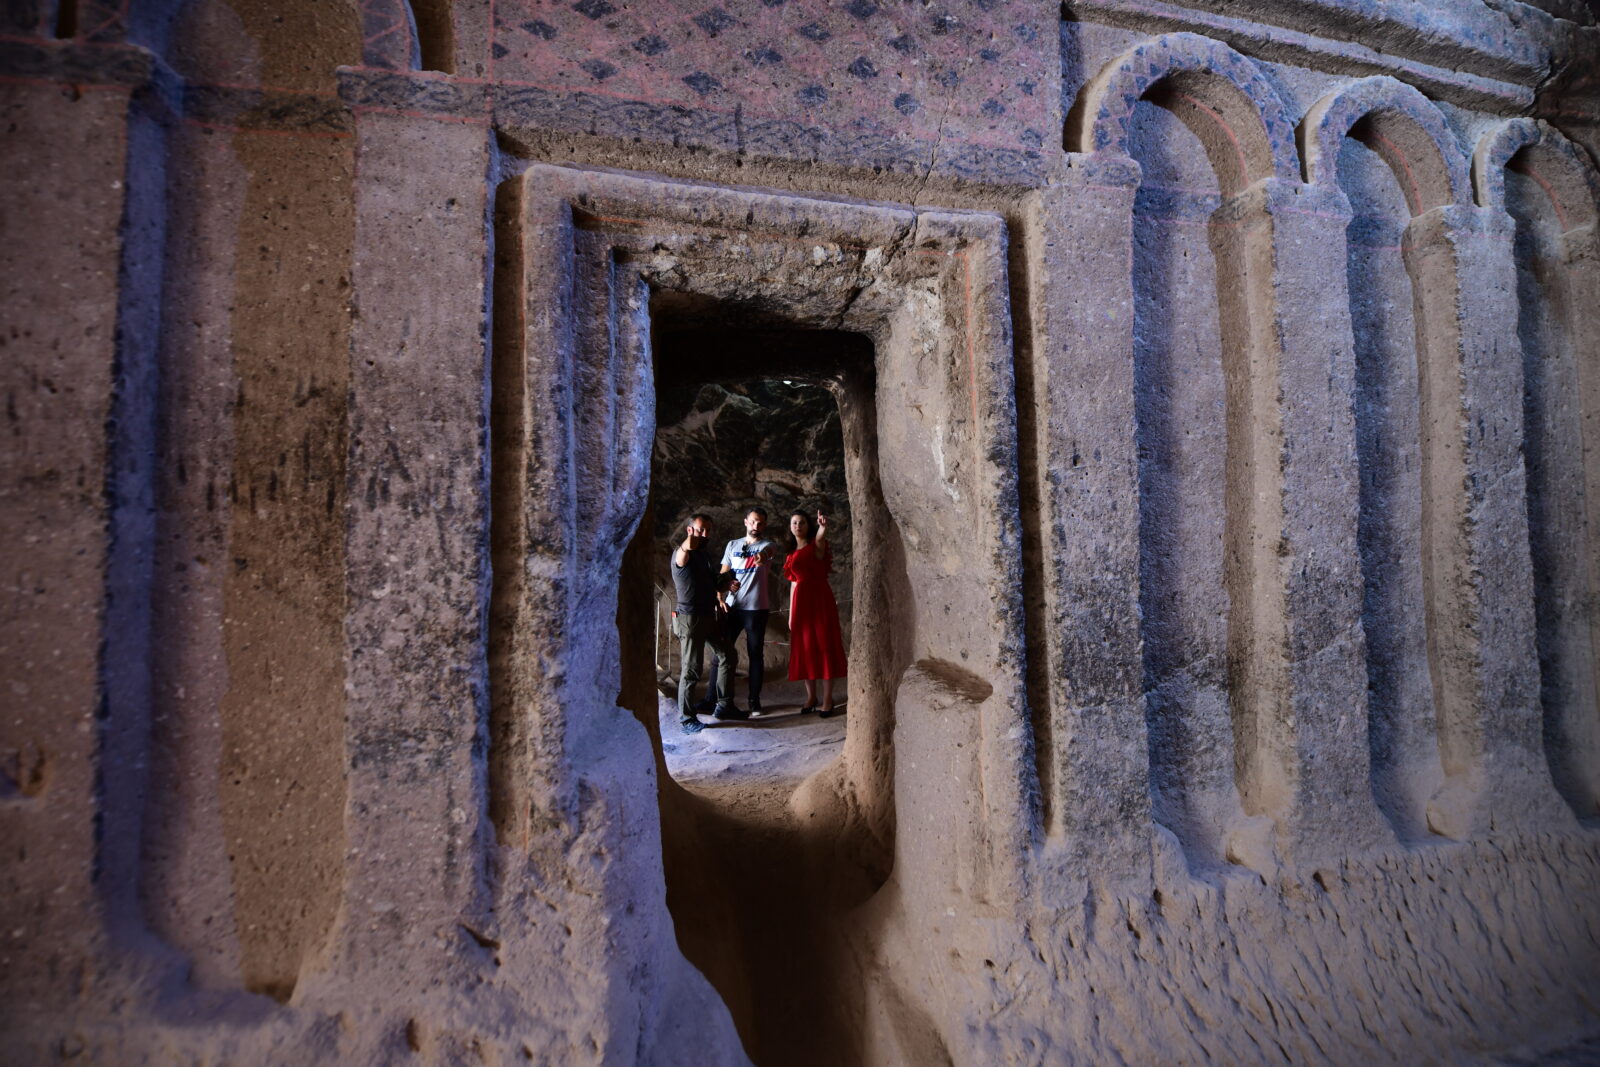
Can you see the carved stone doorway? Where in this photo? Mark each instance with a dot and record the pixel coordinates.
(911, 314)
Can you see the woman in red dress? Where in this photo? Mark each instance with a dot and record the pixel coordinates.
(816, 649)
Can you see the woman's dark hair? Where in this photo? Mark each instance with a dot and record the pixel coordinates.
(811, 527)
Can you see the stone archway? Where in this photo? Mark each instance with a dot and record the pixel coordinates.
(758, 865)
(572, 426)
(1476, 575)
(1547, 187)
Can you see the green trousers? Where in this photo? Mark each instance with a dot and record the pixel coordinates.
(695, 633)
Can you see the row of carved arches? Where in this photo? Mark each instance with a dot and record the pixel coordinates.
(1217, 150)
(1250, 135)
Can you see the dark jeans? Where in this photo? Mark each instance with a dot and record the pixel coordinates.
(694, 633)
(754, 625)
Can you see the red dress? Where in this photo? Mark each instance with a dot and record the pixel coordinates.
(816, 649)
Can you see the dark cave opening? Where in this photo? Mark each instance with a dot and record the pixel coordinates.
(761, 853)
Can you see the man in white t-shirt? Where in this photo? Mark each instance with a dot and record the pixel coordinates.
(749, 560)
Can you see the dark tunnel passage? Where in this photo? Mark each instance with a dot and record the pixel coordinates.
(767, 842)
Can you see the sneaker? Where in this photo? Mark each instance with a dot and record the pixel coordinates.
(691, 726)
(755, 705)
(730, 713)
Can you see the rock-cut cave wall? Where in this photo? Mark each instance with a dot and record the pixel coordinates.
(1215, 389)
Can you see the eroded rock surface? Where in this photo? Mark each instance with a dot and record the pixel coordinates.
(1210, 404)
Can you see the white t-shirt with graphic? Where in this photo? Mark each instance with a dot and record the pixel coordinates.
(751, 562)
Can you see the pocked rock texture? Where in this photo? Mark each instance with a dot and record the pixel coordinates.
(1210, 394)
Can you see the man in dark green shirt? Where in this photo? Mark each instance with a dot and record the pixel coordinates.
(697, 622)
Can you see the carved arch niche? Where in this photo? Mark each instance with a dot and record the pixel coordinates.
(1212, 146)
(1470, 528)
(1550, 190)
(1386, 148)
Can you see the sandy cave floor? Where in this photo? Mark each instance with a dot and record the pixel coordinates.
(752, 766)
(772, 871)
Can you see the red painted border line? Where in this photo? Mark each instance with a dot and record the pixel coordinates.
(61, 42)
(466, 120)
(330, 135)
(84, 86)
(318, 94)
(120, 16)
(1555, 201)
(1410, 178)
(1245, 177)
(700, 106)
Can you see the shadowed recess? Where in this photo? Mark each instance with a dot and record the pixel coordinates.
(756, 870)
